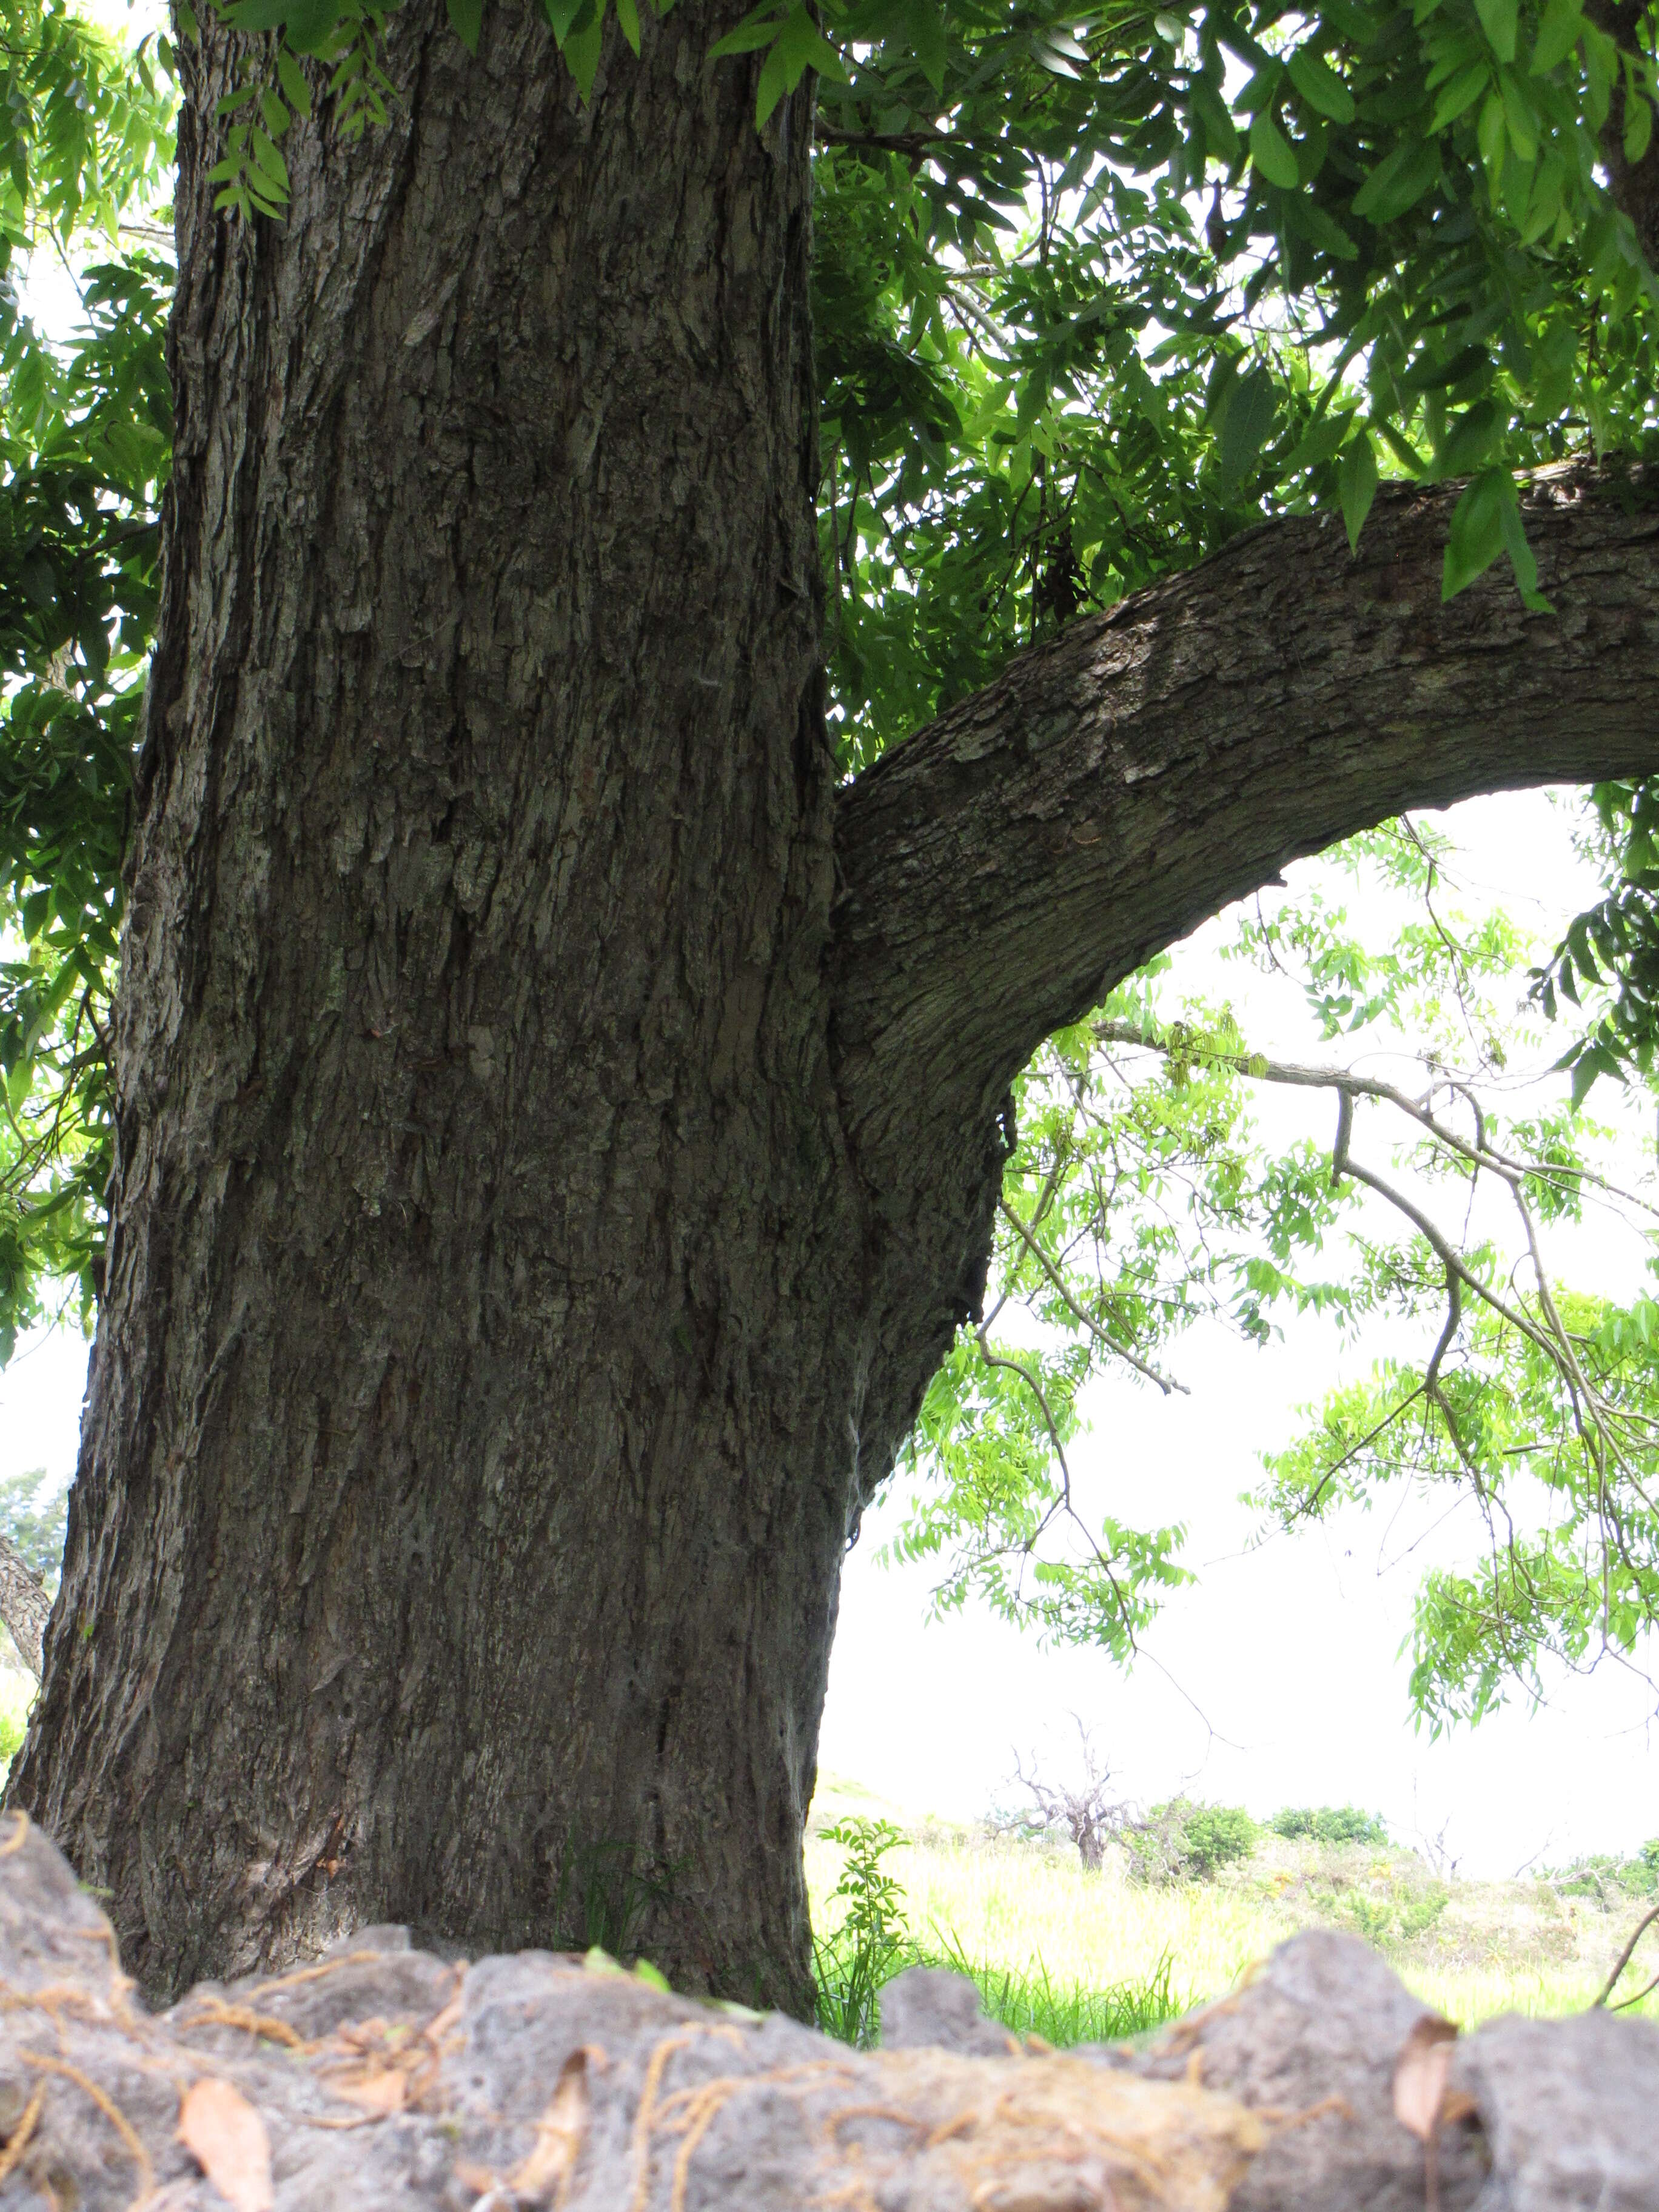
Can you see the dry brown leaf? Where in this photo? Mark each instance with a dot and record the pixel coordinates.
(1420, 2076)
(552, 2157)
(227, 2138)
(380, 2091)
(1419, 2092)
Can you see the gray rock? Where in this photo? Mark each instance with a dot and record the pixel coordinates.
(1571, 2110)
(929, 2008)
(384, 2079)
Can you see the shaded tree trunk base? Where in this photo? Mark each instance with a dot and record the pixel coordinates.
(381, 2073)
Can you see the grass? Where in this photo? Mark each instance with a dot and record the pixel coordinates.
(1075, 1956)
(1064, 2013)
(16, 1696)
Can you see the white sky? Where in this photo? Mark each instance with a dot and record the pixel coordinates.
(1278, 1678)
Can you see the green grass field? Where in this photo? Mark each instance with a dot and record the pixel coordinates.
(1081, 1956)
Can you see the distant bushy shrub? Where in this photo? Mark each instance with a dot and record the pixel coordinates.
(1609, 1878)
(1184, 1841)
(1398, 1915)
(1329, 1824)
(1219, 1836)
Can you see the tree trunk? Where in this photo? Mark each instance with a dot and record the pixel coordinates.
(553, 1148)
(456, 1533)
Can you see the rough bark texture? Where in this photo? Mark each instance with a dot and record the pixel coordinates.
(456, 1532)
(24, 1604)
(387, 2077)
(539, 1204)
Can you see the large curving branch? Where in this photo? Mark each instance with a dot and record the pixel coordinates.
(1109, 790)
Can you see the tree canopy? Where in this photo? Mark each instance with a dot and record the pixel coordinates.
(1096, 290)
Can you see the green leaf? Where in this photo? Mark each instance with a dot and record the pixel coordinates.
(1461, 92)
(1398, 182)
(1522, 559)
(772, 85)
(269, 166)
(1558, 34)
(312, 23)
(1498, 19)
(565, 17)
(628, 22)
(1212, 110)
(1320, 86)
(1321, 442)
(1476, 537)
(582, 45)
(925, 28)
(1357, 487)
(1600, 70)
(1471, 438)
(1492, 133)
(1519, 114)
(1638, 127)
(1270, 153)
(1247, 426)
(258, 14)
(292, 78)
(466, 21)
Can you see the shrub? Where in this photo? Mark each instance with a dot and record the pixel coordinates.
(872, 1941)
(1217, 1836)
(1329, 1824)
(1608, 1879)
(1183, 1841)
(1397, 1915)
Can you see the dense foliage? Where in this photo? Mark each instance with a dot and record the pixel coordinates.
(85, 434)
(1094, 289)
(1329, 1824)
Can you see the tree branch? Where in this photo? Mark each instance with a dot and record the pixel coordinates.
(1109, 790)
(25, 1605)
(1002, 870)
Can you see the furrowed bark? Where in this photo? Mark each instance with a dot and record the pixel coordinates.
(24, 1604)
(457, 1529)
(1002, 870)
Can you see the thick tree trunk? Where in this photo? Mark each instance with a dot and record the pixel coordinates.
(539, 1203)
(456, 1533)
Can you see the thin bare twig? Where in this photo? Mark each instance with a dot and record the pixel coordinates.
(1625, 1957)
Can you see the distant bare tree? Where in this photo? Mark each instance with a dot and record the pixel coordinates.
(1435, 1850)
(1088, 1812)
